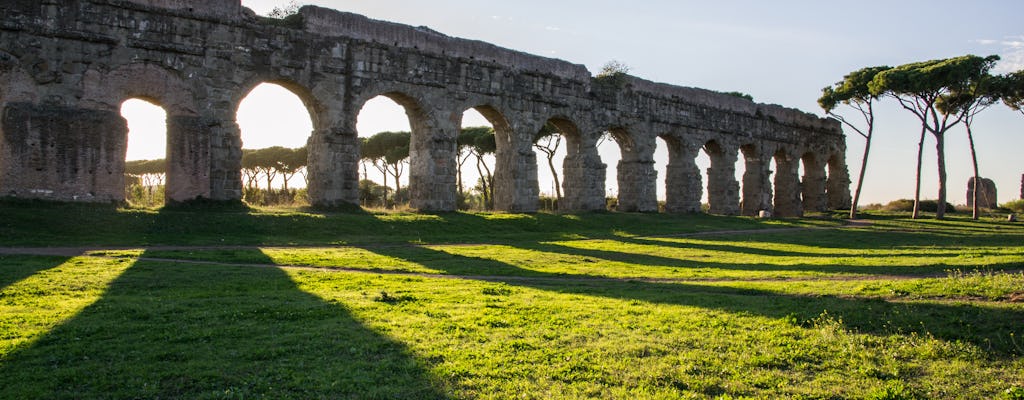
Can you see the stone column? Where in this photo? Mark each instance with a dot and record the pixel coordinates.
(62, 153)
(813, 185)
(637, 178)
(515, 176)
(225, 159)
(432, 154)
(683, 182)
(787, 186)
(723, 190)
(757, 187)
(838, 184)
(333, 167)
(583, 175)
(188, 159)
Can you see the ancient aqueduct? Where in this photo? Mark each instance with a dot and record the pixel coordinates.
(66, 67)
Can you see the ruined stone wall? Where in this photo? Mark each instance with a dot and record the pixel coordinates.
(66, 66)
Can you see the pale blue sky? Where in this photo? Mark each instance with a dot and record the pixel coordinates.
(780, 52)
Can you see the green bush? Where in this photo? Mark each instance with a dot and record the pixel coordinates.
(1016, 206)
(907, 205)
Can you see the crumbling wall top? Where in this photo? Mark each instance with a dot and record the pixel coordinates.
(221, 9)
(728, 102)
(328, 22)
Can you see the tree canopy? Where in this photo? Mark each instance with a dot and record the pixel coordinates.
(1011, 87)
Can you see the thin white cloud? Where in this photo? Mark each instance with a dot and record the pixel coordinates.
(1011, 52)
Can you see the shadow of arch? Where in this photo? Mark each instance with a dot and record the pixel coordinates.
(989, 328)
(166, 330)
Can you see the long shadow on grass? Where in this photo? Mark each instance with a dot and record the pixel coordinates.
(14, 268)
(167, 330)
(704, 263)
(988, 328)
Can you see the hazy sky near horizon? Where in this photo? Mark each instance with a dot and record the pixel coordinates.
(780, 52)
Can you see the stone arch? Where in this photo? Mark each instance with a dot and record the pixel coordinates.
(317, 109)
(683, 186)
(812, 184)
(756, 186)
(787, 197)
(723, 189)
(188, 142)
(148, 81)
(636, 177)
(583, 173)
(515, 175)
(313, 112)
(432, 150)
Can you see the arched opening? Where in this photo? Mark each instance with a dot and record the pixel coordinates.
(662, 160)
(703, 161)
(483, 133)
(812, 184)
(556, 140)
(612, 146)
(275, 125)
(146, 153)
(392, 151)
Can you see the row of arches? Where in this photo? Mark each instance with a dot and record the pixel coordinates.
(729, 180)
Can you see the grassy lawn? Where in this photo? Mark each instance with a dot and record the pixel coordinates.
(224, 304)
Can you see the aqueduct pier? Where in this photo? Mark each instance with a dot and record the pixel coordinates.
(67, 65)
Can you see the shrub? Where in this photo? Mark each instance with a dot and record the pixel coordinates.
(907, 205)
(1016, 206)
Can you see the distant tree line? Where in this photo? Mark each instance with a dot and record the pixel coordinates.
(941, 94)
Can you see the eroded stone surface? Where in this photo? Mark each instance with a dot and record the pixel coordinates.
(66, 67)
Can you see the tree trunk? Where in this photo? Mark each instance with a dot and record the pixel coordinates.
(940, 150)
(483, 181)
(554, 174)
(917, 180)
(975, 211)
(490, 186)
(860, 178)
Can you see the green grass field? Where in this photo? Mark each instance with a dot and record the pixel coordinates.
(231, 304)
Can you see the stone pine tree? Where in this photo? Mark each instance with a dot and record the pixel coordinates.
(1011, 90)
(466, 145)
(981, 92)
(484, 144)
(547, 140)
(918, 87)
(388, 151)
(853, 92)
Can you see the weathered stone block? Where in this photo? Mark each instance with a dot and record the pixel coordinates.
(986, 193)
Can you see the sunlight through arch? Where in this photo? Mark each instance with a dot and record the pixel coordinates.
(275, 127)
(146, 152)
